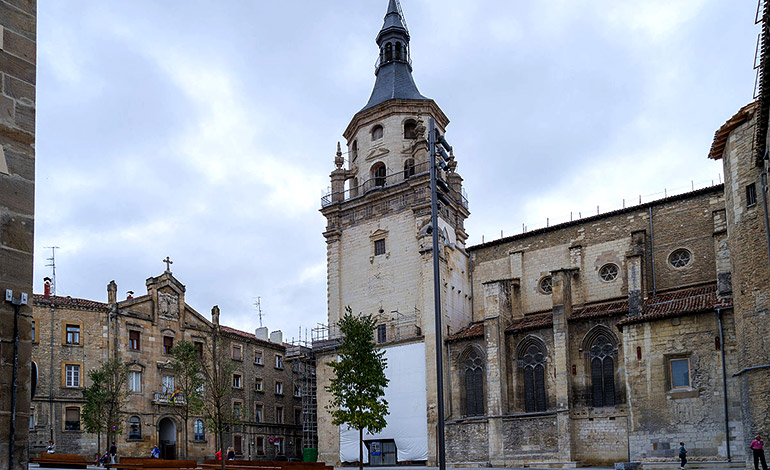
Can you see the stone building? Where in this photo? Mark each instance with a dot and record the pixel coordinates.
(18, 37)
(73, 336)
(606, 339)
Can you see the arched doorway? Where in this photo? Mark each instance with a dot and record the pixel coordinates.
(167, 438)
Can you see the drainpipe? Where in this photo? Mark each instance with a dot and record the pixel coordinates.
(763, 180)
(724, 382)
(652, 254)
(50, 378)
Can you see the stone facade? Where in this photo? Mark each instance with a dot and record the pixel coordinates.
(73, 336)
(18, 36)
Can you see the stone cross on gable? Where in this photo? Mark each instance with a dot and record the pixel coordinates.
(168, 264)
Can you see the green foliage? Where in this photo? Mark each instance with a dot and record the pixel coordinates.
(105, 398)
(189, 383)
(359, 381)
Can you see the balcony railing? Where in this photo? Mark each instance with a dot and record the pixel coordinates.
(165, 398)
(381, 182)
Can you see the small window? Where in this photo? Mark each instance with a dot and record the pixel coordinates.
(258, 358)
(72, 419)
(377, 132)
(297, 416)
(279, 388)
(679, 371)
(680, 258)
(408, 168)
(236, 381)
(278, 361)
(73, 334)
(379, 174)
(260, 446)
(168, 384)
(609, 272)
(134, 427)
(382, 335)
(199, 349)
(135, 382)
(545, 285)
(32, 418)
(198, 432)
(238, 444)
(258, 413)
(32, 331)
(410, 129)
(751, 195)
(237, 410)
(354, 151)
(379, 247)
(237, 352)
(133, 340)
(168, 344)
(72, 375)
(280, 450)
(279, 415)
(258, 385)
(297, 390)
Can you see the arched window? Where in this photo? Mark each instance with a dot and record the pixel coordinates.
(134, 427)
(410, 129)
(378, 174)
(602, 356)
(531, 358)
(473, 369)
(198, 433)
(388, 52)
(408, 168)
(377, 132)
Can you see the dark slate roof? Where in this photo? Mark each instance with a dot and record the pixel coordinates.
(393, 21)
(394, 82)
(249, 336)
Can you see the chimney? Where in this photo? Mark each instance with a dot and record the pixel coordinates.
(215, 315)
(129, 295)
(276, 337)
(261, 333)
(47, 287)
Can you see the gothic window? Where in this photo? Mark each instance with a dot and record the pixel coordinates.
(134, 428)
(410, 129)
(473, 368)
(609, 272)
(408, 168)
(532, 362)
(602, 355)
(545, 286)
(378, 174)
(680, 258)
(377, 132)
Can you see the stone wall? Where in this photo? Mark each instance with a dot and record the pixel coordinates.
(18, 36)
(530, 439)
(467, 442)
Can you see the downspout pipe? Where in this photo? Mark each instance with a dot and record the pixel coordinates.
(724, 383)
(763, 181)
(652, 253)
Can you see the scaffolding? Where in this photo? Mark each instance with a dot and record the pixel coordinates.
(304, 377)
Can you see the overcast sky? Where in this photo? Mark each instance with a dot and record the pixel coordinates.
(206, 131)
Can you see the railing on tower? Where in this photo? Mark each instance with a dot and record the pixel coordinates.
(377, 183)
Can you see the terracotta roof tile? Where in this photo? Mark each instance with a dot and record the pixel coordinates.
(60, 301)
(680, 302)
(600, 310)
(721, 135)
(473, 331)
(531, 322)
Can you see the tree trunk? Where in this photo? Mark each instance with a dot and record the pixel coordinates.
(222, 448)
(98, 445)
(185, 438)
(361, 449)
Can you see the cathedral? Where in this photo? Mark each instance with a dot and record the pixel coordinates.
(606, 339)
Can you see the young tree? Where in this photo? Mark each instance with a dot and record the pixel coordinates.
(188, 398)
(217, 371)
(359, 381)
(105, 399)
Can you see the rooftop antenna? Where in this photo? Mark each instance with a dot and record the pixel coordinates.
(403, 18)
(258, 304)
(52, 264)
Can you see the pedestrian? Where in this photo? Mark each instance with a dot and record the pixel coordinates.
(51, 447)
(155, 452)
(682, 456)
(230, 453)
(757, 447)
(218, 455)
(113, 452)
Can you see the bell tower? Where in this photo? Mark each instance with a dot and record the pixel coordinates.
(378, 233)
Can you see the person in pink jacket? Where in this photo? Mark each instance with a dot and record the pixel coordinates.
(757, 447)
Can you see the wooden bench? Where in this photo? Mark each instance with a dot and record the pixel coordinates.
(140, 463)
(264, 464)
(61, 461)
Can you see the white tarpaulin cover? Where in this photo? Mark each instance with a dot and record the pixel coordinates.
(407, 421)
